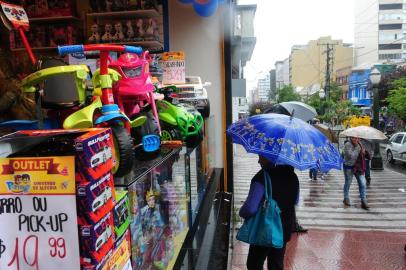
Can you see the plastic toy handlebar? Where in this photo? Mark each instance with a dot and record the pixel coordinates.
(64, 50)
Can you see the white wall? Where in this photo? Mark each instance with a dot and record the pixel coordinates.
(366, 32)
(202, 40)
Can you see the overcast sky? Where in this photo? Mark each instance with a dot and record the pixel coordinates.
(279, 24)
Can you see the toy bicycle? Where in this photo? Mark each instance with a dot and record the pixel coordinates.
(105, 112)
(134, 94)
(179, 122)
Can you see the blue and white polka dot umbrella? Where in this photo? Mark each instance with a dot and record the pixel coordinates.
(286, 140)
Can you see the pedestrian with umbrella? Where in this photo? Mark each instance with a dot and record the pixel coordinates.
(282, 143)
(355, 158)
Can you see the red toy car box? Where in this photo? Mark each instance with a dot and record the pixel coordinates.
(94, 156)
(94, 199)
(96, 240)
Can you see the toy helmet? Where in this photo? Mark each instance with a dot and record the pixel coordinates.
(135, 74)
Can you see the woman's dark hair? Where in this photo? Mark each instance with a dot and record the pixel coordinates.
(277, 108)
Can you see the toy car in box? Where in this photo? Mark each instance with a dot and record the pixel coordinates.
(194, 93)
(96, 240)
(94, 154)
(94, 198)
(121, 213)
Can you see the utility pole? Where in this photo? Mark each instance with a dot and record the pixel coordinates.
(329, 65)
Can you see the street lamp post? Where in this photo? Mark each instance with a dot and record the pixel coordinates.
(375, 78)
(322, 94)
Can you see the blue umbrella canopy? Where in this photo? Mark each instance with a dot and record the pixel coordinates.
(286, 140)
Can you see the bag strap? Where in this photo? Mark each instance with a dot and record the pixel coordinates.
(268, 186)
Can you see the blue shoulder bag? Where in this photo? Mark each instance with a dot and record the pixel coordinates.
(265, 227)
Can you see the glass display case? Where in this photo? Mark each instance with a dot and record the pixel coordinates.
(159, 199)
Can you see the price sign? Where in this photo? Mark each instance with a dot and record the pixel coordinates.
(38, 214)
(173, 64)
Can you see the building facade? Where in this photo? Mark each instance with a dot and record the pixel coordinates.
(359, 88)
(342, 79)
(273, 83)
(308, 63)
(279, 74)
(379, 32)
(243, 44)
(264, 88)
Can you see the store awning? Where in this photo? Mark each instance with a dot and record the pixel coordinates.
(204, 8)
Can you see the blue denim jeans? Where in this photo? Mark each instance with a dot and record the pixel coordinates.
(348, 175)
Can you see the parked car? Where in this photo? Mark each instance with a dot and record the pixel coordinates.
(396, 148)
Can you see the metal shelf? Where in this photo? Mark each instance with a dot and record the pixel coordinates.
(54, 19)
(147, 13)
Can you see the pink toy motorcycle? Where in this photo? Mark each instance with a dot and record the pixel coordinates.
(134, 94)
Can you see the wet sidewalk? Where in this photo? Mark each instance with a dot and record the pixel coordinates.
(339, 237)
(341, 250)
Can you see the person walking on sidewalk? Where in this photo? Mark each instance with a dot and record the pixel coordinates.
(354, 165)
(285, 187)
(367, 145)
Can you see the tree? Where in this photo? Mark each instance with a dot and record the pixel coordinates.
(287, 93)
(259, 107)
(386, 84)
(397, 98)
(334, 110)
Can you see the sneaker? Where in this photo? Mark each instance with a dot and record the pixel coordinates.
(346, 202)
(364, 205)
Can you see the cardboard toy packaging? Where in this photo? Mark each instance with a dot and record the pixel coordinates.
(96, 240)
(94, 154)
(121, 213)
(94, 198)
(121, 258)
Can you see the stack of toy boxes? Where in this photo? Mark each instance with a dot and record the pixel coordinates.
(95, 197)
(121, 258)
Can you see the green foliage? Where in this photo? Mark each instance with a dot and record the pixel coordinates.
(287, 93)
(334, 110)
(397, 98)
(259, 107)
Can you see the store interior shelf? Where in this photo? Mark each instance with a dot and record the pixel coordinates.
(145, 43)
(54, 19)
(35, 49)
(148, 13)
(142, 168)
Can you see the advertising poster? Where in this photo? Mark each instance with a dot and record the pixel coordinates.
(38, 214)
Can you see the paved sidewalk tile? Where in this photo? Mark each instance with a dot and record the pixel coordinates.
(344, 250)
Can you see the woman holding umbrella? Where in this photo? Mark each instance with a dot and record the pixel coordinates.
(282, 143)
(354, 165)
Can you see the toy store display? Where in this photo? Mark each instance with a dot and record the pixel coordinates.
(194, 93)
(91, 179)
(122, 5)
(124, 31)
(158, 209)
(173, 65)
(46, 36)
(48, 8)
(37, 231)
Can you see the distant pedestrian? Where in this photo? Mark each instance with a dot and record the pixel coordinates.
(368, 146)
(354, 165)
(285, 186)
(313, 174)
